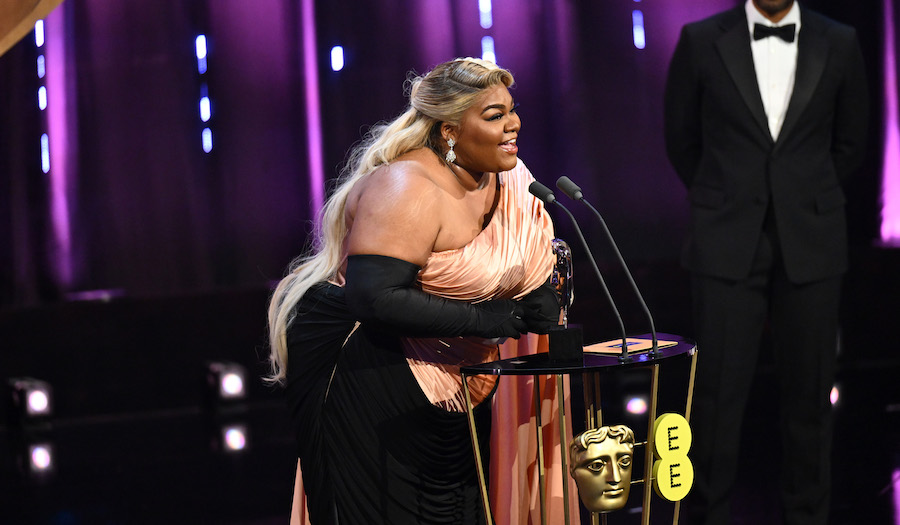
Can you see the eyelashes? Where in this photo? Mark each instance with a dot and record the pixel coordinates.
(512, 110)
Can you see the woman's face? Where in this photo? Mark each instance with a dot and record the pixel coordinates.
(487, 132)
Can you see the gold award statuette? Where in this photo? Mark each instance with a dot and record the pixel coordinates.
(673, 472)
(600, 461)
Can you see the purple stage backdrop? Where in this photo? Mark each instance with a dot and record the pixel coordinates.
(183, 145)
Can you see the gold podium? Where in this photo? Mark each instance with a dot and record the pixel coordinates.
(587, 370)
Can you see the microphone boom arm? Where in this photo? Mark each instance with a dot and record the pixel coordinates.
(572, 190)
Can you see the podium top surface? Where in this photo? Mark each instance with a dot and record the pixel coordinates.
(541, 364)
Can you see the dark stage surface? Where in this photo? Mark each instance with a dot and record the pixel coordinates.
(134, 442)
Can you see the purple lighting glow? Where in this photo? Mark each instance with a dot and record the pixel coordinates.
(313, 115)
(895, 481)
(890, 189)
(57, 126)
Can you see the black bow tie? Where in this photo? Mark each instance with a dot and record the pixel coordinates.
(785, 33)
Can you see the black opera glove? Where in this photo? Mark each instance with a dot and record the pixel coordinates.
(382, 290)
(542, 309)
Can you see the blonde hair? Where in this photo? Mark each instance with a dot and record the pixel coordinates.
(441, 95)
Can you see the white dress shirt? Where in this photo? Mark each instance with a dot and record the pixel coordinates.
(776, 65)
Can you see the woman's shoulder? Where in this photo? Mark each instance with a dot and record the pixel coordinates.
(411, 172)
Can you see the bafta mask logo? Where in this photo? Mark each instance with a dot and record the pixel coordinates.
(600, 460)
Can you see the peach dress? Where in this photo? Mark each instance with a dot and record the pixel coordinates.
(508, 259)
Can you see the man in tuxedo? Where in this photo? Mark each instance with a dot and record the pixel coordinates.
(765, 119)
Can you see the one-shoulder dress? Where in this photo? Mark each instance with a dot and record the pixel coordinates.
(380, 419)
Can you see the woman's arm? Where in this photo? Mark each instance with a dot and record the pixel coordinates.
(394, 223)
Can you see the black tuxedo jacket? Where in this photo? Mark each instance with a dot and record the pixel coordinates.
(718, 140)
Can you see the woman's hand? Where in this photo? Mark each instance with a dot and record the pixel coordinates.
(542, 310)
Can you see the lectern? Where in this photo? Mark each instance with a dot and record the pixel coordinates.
(590, 368)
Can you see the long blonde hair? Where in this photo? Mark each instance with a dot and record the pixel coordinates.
(441, 95)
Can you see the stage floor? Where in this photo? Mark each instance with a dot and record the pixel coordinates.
(171, 466)
(163, 460)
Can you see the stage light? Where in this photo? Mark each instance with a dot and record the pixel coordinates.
(201, 50)
(206, 137)
(637, 29)
(41, 66)
(835, 395)
(205, 109)
(234, 438)
(45, 153)
(40, 457)
(226, 380)
(42, 97)
(337, 58)
(31, 398)
(39, 33)
(35, 458)
(487, 49)
(485, 12)
(636, 405)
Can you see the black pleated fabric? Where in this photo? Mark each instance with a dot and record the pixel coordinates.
(373, 448)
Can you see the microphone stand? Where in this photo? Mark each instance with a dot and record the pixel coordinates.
(573, 191)
(546, 194)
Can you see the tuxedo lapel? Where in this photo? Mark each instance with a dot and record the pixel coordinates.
(734, 48)
(812, 54)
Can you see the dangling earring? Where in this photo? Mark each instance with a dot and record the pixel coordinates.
(451, 155)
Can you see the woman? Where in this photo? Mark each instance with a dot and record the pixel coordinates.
(430, 249)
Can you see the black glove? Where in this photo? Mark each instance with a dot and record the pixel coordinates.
(382, 290)
(541, 309)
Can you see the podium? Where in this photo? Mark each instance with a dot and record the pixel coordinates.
(588, 370)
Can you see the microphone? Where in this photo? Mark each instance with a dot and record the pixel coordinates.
(573, 191)
(546, 194)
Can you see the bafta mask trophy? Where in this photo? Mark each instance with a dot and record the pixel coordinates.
(600, 461)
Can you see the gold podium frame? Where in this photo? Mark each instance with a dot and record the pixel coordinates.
(590, 366)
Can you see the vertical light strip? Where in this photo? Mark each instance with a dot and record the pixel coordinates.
(637, 29)
(337, 58)
(55, 74)
(890, 186)
(45, 153)
(313, 115)
(486, 19)
(487, 49)
(485, 14)
(39, 33)
(201, 49)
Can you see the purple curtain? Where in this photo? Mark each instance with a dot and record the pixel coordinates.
(132, 202)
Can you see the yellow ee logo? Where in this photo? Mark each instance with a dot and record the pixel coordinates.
(673, 473)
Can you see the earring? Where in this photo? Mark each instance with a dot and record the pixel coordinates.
(451, 155)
